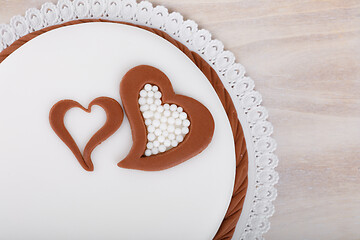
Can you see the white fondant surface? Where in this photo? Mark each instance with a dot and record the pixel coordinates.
(45, 194)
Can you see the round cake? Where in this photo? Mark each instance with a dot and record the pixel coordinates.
(112, 128)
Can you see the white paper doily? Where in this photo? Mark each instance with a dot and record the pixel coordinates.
(262, 176)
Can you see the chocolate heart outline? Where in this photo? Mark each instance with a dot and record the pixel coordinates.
(114, 118)
(200, 133)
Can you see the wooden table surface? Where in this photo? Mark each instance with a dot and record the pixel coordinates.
(304, 56)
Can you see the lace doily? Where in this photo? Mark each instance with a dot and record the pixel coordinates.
(262, 177)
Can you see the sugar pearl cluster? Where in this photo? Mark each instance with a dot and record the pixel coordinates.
(167, 125)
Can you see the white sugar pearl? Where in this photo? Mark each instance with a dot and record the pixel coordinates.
(148, 87)
(167, 143)
(186, 123)
(161, 139)
(167, 113)
(185, 130)
(142, 101)
(173, 107)
(155, 151)
(177, 131)
(157, 102)
(157, 115)
(171, 120)
(175, 114)
(153, 107)
(178, 122)
(166, 124)
(170, 128)
(147, 122)
(149, 101)
(163, 126)
(179, 138)
(150, 94)
(160, 109)
(174, 143)
(162, 148)
(144, 108)
(151, 137)
(149, 145)
(163, 119)
(158, 95)
(158, 132)
(143, 93)
(171, 136)
(148, 152)
(148, 114)
(183, 116)
(156, 123)
(156, 144)
(151, 128)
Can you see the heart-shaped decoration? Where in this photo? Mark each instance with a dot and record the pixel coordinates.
(114, 118)
(197, 122)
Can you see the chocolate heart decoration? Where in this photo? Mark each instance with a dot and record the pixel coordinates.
(200, 133)
(114, 114)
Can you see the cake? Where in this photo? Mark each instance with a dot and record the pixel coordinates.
(115, 130)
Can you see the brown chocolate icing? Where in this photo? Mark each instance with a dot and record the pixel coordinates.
(227, 227)
(114, 118)
(198, 138)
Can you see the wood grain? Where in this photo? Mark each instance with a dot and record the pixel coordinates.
(304, 56)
